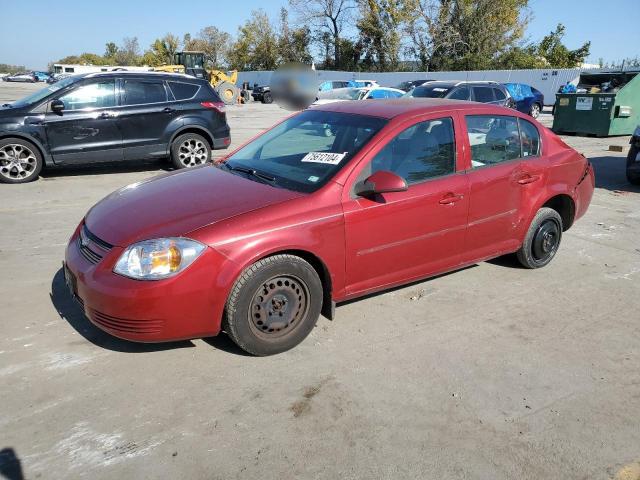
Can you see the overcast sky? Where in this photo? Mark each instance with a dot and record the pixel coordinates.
(35, 32)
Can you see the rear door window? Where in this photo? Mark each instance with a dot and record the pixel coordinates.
(183, 91)
(493, 138)
(483, 94)
(141, 92)
(530, 138)
(499, 94)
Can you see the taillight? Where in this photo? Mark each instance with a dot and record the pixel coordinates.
(219, 106)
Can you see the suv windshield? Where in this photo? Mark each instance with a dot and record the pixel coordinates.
(305, 151)
(430, 91)
(40, 94)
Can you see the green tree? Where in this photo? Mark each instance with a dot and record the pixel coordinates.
(293, 43)
(215, 44)
(162, 50)
(557, 54)
(110, 51)
(256, 45)
(129, 52)
(326, 16)
(381, 24)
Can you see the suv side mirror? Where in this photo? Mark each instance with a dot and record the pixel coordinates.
(381, 182)
(57, 106)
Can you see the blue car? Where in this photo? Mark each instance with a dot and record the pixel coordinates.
(42, 76)
(528, 99)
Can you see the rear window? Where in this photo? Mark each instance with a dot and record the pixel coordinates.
(183, 91)
(483, 94)
(430, 91)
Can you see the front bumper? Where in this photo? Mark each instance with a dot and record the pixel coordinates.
(188, 305)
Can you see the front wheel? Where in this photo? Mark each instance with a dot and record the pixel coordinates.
(542, 240)
(274, 305)
(267, 98)
(535, 110)
(20, 161)
(190, 150)
(633, 176)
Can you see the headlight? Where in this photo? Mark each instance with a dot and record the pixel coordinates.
(158, 258)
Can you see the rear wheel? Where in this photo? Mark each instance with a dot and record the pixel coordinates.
(535, 110)
(190, 150)
(20, 161)
(274, 305)
(632, 177)
(542, 239)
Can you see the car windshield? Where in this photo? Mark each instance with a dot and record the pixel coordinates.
(430, 91)
(343, 94)
(305, 151)
(46, 91)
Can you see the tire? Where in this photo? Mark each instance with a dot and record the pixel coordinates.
(633, 178)
(190, 150)
(228, 93)
(282, 287)
(267, 98)
(542, 240)
(20, 161)
(535, 110)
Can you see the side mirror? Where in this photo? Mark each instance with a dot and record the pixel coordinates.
(57, 106)
(381, 182)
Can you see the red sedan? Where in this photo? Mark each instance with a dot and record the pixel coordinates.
(332, 203)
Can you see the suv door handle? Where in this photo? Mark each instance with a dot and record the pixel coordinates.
(168, 109)
(528, 178)
(450, 198)
(106, 115)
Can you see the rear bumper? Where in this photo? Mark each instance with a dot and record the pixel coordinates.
(584, 192)
(180, 307)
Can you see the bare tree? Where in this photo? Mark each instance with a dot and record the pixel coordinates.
(325, 16)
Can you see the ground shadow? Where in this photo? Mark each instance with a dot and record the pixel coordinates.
(224, 343)
(611, 174)
(507, 261)
(69, 309)
(10, 466)
(162, 165)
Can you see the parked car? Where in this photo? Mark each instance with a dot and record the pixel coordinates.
(332, 84)
(42, 76)
(358, 93)
(111, 116)
(262, 93)
(633, 158)
(483, 92)
(528, 99)
(27, 77)
(363, 83)
(294, 221)
(57, 77)
(411, 84)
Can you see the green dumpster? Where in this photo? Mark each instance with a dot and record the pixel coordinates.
(605, 103)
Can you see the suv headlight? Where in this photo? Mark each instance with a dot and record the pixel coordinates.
(157, 259)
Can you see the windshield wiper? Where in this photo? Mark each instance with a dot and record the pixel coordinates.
(250, 171)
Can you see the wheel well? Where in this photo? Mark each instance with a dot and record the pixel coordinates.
(198, 131)
(35, 144)
(563, 204)
(322, 271)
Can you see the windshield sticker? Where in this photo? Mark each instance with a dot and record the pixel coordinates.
(324, 157)
(313, 179)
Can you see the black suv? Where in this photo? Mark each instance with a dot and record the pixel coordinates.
(483, 92)
(111, 116)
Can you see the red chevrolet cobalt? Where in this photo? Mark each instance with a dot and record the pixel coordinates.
(333, 203)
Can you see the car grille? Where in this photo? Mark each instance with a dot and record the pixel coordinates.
(122, 325)
(91, 247)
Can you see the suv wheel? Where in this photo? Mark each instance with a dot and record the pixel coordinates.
(267, 98)
(535, 110)
(274, 305)
(542, 240)
(633, 177)
(20, 161)
(190, 150)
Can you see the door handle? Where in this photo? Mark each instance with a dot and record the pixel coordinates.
(528, 178)
(106, 115)
(450, 198)
(168, 109)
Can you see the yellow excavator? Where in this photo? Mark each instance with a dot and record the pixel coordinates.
(192, 63)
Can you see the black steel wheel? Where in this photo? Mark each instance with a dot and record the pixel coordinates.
(274, 305)
(542, 240)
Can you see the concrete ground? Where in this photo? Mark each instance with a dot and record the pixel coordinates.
(490, 372)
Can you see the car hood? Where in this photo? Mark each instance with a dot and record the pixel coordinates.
(175, 204)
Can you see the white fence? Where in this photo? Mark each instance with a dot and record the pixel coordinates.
(548, 81)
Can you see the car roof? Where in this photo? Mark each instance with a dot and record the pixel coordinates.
(390, 108)
(124, 73)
